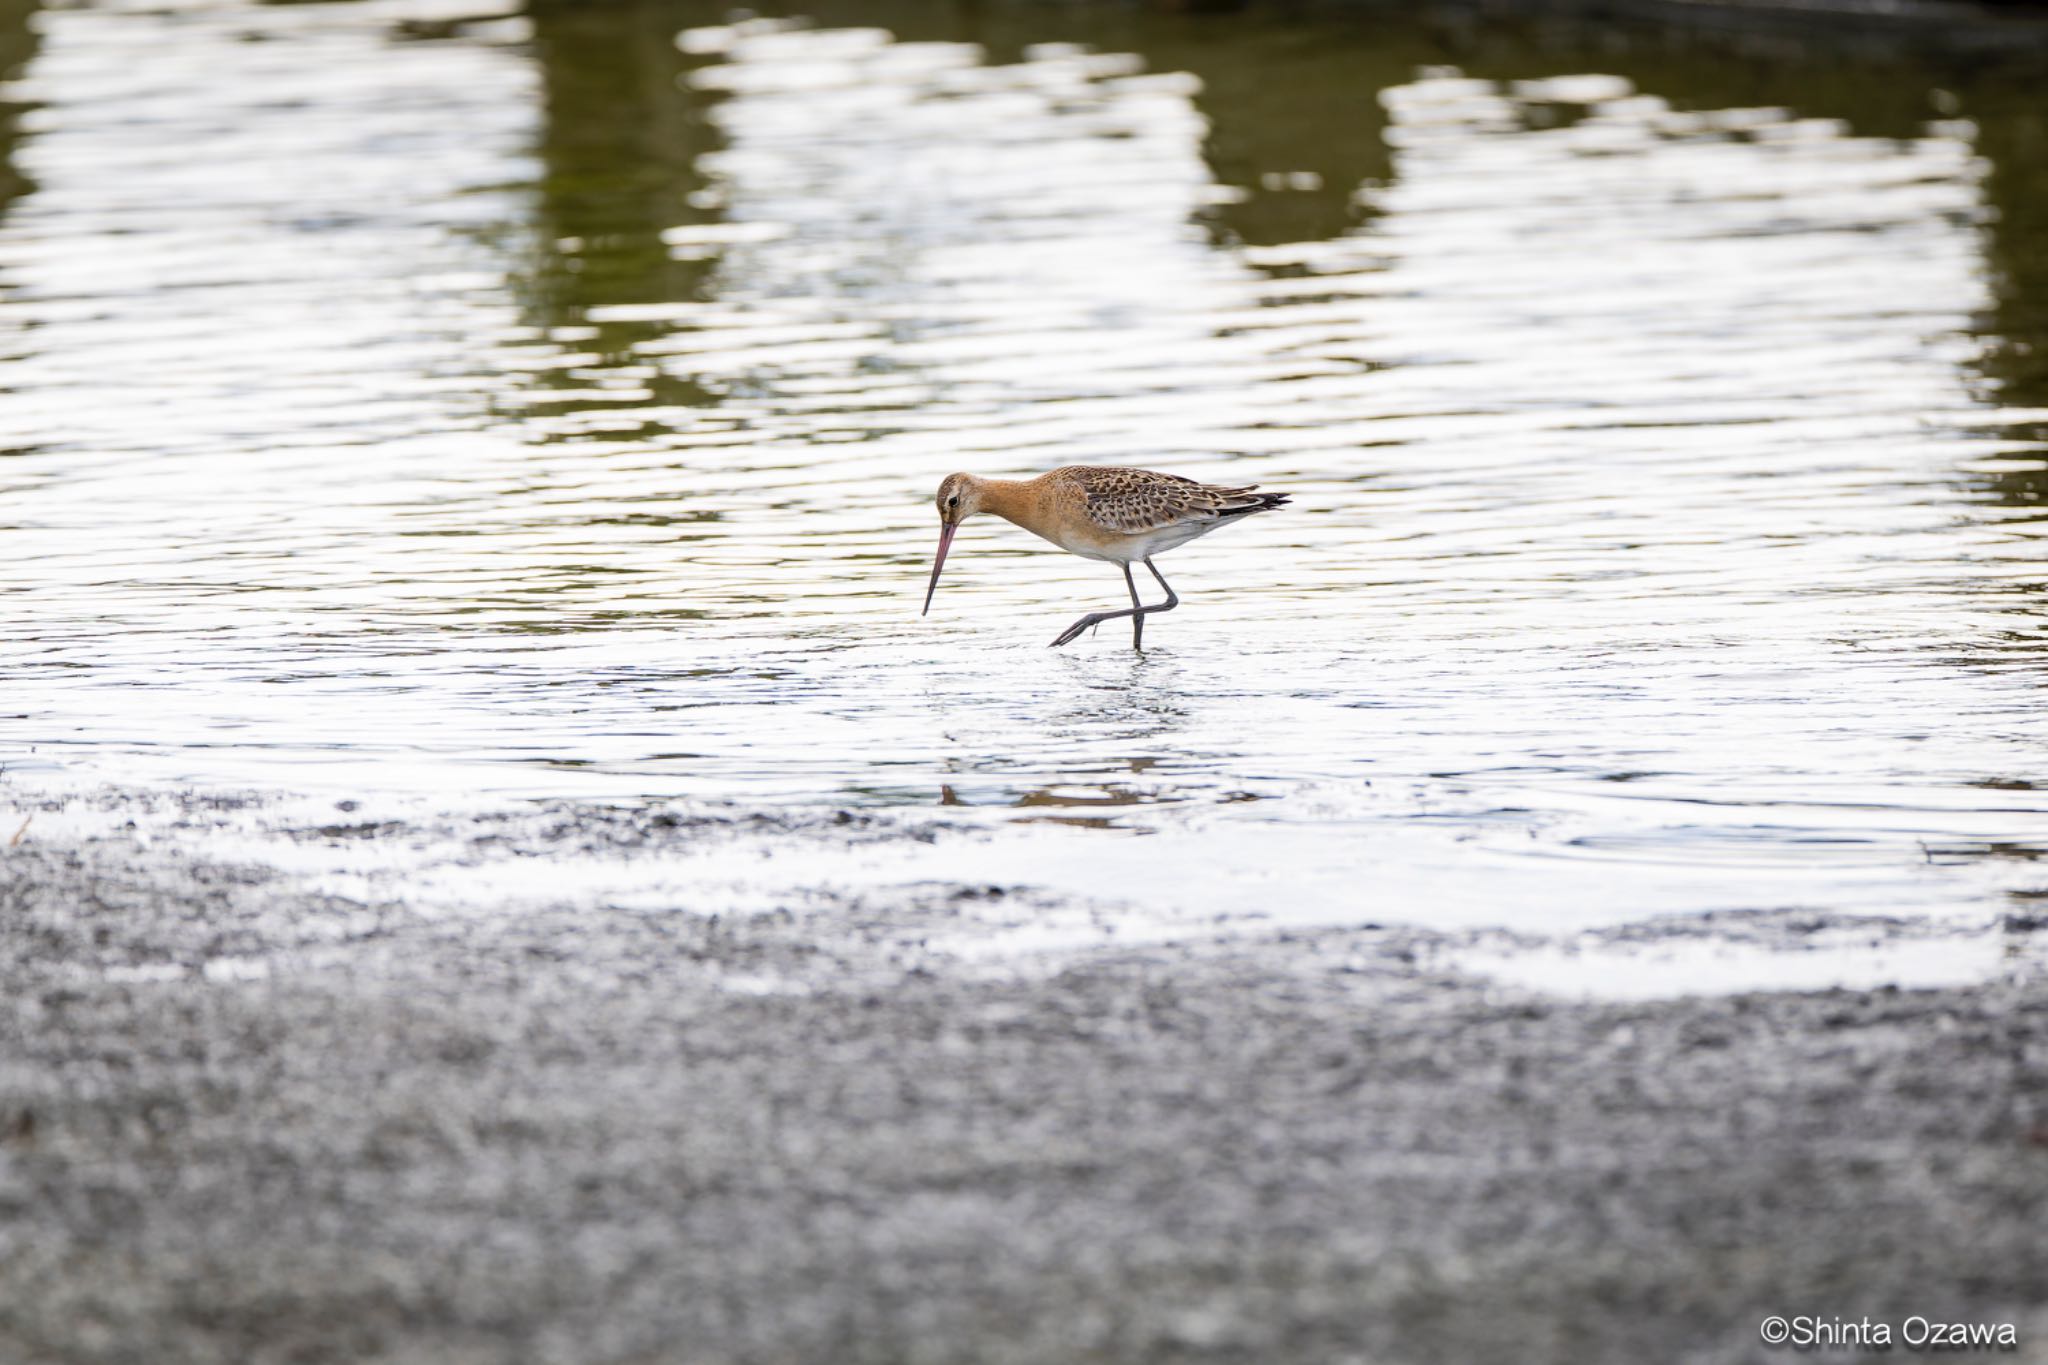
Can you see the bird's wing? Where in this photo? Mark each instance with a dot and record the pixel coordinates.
(1134, 501)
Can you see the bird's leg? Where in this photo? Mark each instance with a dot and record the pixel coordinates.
(1096, 618)
(1135, 611)
(1091, 620)
(1172, 597)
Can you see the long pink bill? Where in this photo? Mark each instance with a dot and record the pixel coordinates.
(945, 541)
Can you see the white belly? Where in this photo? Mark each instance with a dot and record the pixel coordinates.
(1131, 549)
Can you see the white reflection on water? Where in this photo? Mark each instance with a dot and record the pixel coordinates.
(1632, 568)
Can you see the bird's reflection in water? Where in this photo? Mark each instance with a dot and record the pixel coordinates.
(1068, 798)
(1087, 738)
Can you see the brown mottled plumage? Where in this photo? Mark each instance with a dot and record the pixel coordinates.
(1125, 516)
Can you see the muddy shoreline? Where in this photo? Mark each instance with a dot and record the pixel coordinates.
(245, 1119)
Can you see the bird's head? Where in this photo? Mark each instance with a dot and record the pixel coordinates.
(959, 498)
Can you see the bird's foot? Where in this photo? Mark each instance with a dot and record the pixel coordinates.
(1073, 632)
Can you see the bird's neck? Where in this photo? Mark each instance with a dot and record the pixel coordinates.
(1013, 500)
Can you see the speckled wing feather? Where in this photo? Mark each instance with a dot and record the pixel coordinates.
(1135, 501)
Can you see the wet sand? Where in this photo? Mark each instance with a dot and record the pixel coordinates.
(243, 1119)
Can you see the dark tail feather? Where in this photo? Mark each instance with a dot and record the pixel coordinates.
(1261, 502)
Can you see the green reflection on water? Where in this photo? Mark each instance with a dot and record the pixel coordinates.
(1295, 128)
(621, 143)
(17, 46)
(2013, 136)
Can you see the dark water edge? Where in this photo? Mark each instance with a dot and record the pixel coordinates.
(2003, 29)
(395, 1133)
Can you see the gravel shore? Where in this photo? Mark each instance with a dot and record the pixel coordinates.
(246, 1119)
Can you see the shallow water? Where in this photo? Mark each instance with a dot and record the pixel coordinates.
(405, 403)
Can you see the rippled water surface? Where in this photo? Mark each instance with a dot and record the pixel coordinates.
(406, 401)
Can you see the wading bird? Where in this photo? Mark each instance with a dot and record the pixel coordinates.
(1125, 516)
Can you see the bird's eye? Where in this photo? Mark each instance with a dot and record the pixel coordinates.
(953, 501)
